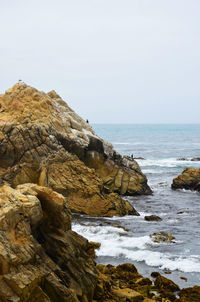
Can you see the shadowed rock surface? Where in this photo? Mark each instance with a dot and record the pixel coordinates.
(43, 141)
(189, 180)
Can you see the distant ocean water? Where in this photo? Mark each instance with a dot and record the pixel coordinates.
(161, 146)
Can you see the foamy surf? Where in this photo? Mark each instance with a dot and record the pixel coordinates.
(168, 162)
(116, 242)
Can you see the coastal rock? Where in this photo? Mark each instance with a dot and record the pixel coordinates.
(190, 294)
(162, 237)
(195, 159)
(163, 283)
(41, 258)
(189, 180)
(122, 283)
(152, 218)
(166, 288)
(125, 294)
(43, 141)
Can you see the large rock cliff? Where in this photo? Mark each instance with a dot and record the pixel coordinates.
(43, 141)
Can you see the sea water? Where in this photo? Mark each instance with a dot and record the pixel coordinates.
(161, 146)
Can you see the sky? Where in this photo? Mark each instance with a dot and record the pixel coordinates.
(112, 61)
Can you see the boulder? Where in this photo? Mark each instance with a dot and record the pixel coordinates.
(43, 141)
(152, 218)
(163, 283)
(189, 180)
(162, 237)
(166, 288)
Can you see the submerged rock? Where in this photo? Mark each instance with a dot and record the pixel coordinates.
(162, 237)
(152, 218)
(43, 141)
(189, 180)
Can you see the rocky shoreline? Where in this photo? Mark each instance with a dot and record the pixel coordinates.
(53, 163)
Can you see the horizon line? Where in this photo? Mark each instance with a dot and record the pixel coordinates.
(94, 123)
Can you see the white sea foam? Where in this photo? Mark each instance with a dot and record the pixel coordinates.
(116, 242)
(126, 143)
(167, 162)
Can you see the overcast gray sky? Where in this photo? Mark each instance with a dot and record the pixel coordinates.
(113, 61)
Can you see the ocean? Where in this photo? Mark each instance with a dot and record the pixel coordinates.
(162, 146)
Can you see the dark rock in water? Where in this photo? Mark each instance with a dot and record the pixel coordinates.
(182, 158)
(189, 180)
(163, 184)
(190, 294)
(155, 274)
(162, 237)
(152, 218)
(183, 278)
(195, 159)
(120, 227)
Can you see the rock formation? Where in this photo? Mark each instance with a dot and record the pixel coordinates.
(46, 150)
(41, 258)
(189, 180)
(43, 141)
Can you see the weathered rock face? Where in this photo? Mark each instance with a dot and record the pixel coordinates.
(43, 141)
(189, 180)
(41, 258)
(190, 294)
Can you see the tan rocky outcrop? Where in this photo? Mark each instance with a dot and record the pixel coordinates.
(43, 141)
(41, 258)
(189, 180)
